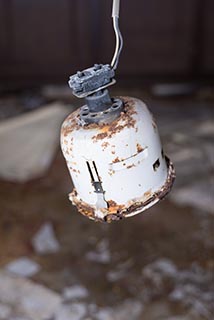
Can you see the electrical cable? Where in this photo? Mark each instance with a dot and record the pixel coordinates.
(118, 35)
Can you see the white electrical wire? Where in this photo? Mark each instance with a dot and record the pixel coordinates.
(116, 8)
(118, 35)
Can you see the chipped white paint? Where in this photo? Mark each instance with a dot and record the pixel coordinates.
(124, 158)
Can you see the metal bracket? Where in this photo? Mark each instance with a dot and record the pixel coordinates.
(89, 81)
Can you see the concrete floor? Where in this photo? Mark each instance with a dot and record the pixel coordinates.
(157, 265)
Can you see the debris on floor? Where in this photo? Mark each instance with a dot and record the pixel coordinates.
(157, 271)
(16, 104)
(156, 266)
(29, 142)
(102, 254)
(199, 196)
(45, 241)
(27, 299)
(191, 288)
(120, 271)
(5, 311)
(23, 267)
(128, 310)
(74, 311)
(75, 292)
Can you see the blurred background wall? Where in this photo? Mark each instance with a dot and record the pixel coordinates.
(43, 41)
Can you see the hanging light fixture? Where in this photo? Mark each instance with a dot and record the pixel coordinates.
(112, 146)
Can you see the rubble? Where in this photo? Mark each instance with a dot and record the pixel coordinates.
(5, 311)
(28, 300)
(192, 289)
(150, 261)
(187, 154)
(45, 241)
(159, 269)
(105, 314)
(24, 267)
(29, 141)
(130, 309)
(75, 292)
(116, 275)
(196, 195)
(74, 311)
(120, 271)
(102, 253)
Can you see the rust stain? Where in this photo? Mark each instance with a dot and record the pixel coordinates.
(104, 129)
(113, 217)
(104, 145)
(125, 120)
(139, 148)
(116, 160)
(160, 194)
(82, 207)
(117, 212)
(70, 123)
(148, 193)
(131, 166)
(111, 172)
(100, 136)
(74, 170)
(113, 207)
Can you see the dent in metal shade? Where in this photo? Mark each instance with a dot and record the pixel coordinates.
(118, 169)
